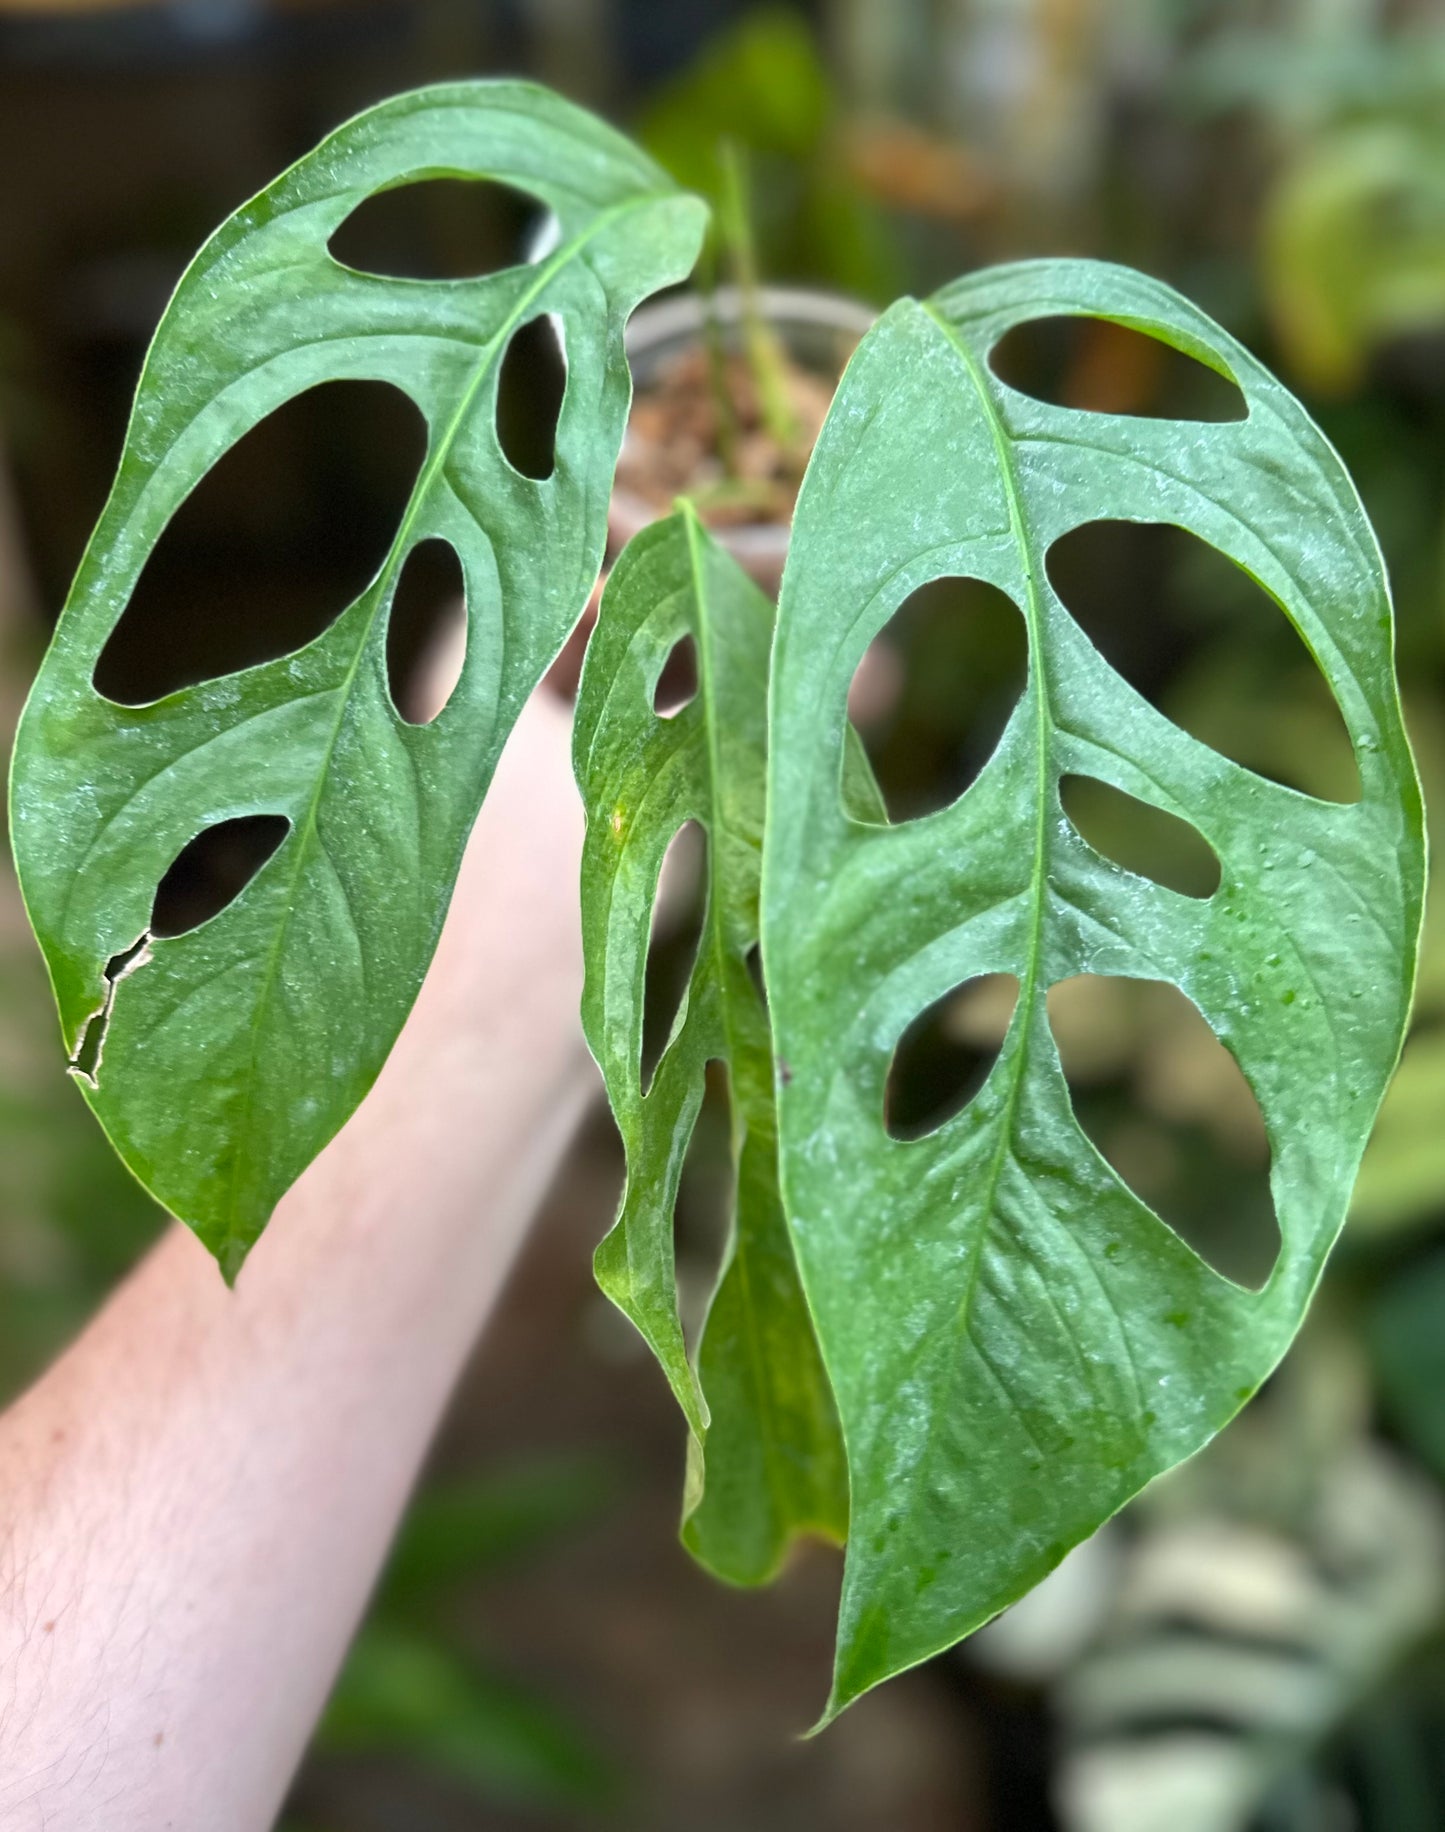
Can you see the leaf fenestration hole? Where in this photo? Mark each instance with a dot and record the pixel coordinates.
(1103, 367)
(1142, 838)
(211, 871)
(754, 964)
(703, 1213)
(1168, 1107)
(945, 1055)
(677, 682)
(437, 229)
(961, 653)
(281, 535)
(426, 631)
(531, 384)
(678, 913)
(1198, 638)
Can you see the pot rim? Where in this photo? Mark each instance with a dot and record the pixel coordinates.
(685, 314)
(760, 546)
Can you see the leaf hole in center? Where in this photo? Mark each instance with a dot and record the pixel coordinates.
(1091, 363)
(426, 631)
(1201, 640)
(1167, 1106)
(438, 229)
(956, 653)
(679, 910)
(944, 1057)
(531, 384)
(210, 872)
(677, 680)
(283, 533)
(1143, 839)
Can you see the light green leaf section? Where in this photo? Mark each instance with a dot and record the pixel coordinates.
(234, 1052)
(1016, 1344)
(765, 1454)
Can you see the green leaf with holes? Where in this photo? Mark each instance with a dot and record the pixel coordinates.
(224, 1058)
(765, 1454)
(1016, 1343)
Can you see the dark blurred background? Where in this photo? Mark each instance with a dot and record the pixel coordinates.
(1256, 1645)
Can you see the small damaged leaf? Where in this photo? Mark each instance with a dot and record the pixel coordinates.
(765, 1457)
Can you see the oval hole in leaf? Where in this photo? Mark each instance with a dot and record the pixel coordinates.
(677, 681)
(945, 1055)
(530, 386)
(1209, 647)
(678, 913)
(437, 229)
(957, 652)
(1140, 837)
(426, 631)
(1168, 1107)
(282, 534)
(211, 871)
(1102, 367)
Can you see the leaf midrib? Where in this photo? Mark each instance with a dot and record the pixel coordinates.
(1043, 732)
(431, 469)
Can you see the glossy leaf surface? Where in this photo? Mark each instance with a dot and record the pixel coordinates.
(765, 1454)
(232, 1053)
(1016, 1343)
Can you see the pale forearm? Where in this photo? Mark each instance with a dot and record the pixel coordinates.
(199, 1494)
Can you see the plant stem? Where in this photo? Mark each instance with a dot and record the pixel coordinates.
(724, 407)
(764, 353)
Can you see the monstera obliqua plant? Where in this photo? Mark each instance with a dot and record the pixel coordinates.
(959, 1353)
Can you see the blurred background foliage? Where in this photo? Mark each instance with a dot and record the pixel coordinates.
(1257, 1645)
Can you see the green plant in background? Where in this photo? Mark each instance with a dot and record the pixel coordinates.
(983, 1329)
(1354, 246)
(762, 90)
(413, 1686)
(1352, 232)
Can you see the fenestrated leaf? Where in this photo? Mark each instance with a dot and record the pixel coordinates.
(231, 1054)
(1016, 1343)
(766, 1457)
